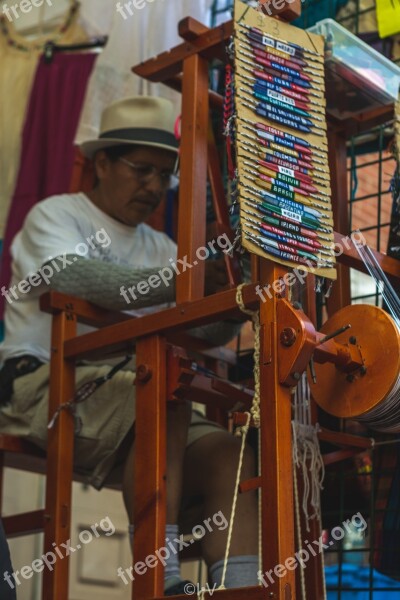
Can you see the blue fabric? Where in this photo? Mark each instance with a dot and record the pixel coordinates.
(316, 10)
(6, 591)
(354, 577)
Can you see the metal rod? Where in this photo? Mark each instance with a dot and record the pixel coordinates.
(334, 334)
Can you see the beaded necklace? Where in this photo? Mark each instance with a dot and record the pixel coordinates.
(13, 37)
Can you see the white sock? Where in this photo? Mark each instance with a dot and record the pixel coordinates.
(172, 571)
(241, 571)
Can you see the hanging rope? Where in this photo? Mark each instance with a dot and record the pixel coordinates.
(306, 457)
(243, 431)
(255, 407)
(298, 529)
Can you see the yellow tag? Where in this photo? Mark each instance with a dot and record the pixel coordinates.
(388, 17)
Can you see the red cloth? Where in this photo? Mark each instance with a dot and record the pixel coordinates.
(47, 154)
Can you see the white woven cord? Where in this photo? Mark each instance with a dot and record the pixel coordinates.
(243, 431)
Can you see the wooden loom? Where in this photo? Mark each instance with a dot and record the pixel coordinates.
(186, 68)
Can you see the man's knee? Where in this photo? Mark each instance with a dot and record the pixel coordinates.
(178, 413)
(226, 458)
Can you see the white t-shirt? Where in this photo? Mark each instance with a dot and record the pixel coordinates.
(61, 225)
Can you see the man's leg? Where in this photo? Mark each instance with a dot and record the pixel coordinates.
(178, 420)
(210, 470)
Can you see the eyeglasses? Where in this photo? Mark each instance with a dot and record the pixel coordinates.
(145, 173)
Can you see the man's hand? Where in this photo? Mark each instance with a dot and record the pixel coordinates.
(215, 277)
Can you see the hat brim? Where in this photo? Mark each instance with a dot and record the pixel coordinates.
(131, 137)
(90, 148)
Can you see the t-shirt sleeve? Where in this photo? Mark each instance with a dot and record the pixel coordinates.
(51, 229)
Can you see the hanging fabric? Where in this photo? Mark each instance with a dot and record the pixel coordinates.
(133, 39)
(96, 17)
(47, 144)
(18, 62)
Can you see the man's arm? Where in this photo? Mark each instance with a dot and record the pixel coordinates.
(107, 284)
(102, 283)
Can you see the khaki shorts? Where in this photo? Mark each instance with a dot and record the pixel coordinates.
(107, 418)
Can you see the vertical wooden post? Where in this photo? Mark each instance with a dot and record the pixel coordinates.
(150, 464)
(276, 451)
(193, 185)
(340, 295)
(60, 451)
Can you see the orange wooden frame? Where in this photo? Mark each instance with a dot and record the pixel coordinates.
(149, 334)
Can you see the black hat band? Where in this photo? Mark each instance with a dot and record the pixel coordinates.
(136, 135)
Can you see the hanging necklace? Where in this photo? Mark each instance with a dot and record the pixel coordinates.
(14, 40)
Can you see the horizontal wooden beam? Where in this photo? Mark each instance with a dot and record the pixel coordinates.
(189, 29)
(351, 258)
(23, 524)
(344, 439)
(210, 44)
(366, 121)
(245, 593)
(88, 313)
(339, 455)
(12, 443)
(120, 338)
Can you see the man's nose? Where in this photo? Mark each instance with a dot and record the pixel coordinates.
(155, 186)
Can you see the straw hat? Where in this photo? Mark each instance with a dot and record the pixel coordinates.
(140, 120)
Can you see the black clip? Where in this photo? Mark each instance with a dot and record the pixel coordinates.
(48, 52)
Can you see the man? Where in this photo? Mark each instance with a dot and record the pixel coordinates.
(97, 246)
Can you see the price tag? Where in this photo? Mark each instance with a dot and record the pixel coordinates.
(388, 17)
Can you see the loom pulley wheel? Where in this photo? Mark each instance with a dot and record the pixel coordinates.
(353, 393)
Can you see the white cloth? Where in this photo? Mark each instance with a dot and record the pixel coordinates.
(96, 16)
(70, 224)
(148, 32)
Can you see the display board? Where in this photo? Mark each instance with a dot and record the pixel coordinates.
(283, 181)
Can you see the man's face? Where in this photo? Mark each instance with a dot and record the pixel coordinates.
(122, 193)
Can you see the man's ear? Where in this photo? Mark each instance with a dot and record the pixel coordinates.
(101, 164)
